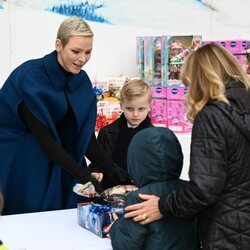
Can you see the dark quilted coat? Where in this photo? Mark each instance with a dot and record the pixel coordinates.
(219, 187)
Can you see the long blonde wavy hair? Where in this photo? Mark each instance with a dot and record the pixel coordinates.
(205, 72)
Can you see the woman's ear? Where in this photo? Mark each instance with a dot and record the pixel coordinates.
(58, 45)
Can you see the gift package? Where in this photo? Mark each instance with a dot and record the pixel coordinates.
(96, 216)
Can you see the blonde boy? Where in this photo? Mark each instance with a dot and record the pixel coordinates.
(135, 101)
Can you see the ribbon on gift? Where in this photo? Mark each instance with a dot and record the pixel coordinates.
(100, 209)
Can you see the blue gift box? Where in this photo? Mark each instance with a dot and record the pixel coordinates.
(96, 217)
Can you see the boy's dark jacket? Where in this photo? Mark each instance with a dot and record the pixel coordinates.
(154, 163)
(114, 139)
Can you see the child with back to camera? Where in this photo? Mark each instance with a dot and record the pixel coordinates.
(154, 163)
(135, 101)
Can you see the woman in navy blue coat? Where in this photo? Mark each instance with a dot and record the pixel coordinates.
(48, 114)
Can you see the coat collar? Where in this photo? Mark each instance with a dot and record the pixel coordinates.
(57, 75)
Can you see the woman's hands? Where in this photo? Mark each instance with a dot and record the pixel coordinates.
(146, 211)
(97, 176)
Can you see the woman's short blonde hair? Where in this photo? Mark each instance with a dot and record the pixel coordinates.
(73, 26)
(135, 88)
(205, 72)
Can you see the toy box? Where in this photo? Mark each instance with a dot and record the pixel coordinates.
(174, 50)
(96, 218)
(239, 48)
(152, 60)
(176, 93)
(176, 117)
(158, 112)
(140, 56)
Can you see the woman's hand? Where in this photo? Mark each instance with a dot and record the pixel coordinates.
(97, 176)
(146, 211)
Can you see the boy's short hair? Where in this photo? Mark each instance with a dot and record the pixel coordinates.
(135, 88)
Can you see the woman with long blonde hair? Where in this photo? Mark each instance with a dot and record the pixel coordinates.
(218, 103)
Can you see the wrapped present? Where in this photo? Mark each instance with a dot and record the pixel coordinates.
(96, 217)
(113, 197)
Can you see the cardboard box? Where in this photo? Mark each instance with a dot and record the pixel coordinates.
(158, 112)
(176, 118)
(174, 50)
(95, 217)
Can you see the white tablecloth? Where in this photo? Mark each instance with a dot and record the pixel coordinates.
(55, 230)
(185, 141)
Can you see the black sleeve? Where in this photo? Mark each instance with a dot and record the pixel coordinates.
(207, 173)
(98, 157)
(50, 147)
(96, 154)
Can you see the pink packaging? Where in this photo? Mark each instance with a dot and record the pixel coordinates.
(176, 119)
(234, 46)
(177, 93)
(159, 91)
(158, 112)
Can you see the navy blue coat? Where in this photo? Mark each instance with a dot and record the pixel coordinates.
(30, 181)
(154, 163)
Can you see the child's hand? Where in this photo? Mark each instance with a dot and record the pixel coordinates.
(97, 176)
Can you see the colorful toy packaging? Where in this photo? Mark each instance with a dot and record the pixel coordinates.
(96, 218)
(239, 48)
(107, 94)
(168, 109)
(158, 112)
(108, 206)
(174, 51)
(160, 58)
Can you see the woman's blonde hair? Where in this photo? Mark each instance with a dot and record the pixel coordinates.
(205, 72)
(135, 88)
(73, 26)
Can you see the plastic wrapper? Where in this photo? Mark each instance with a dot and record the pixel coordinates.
(114, 196)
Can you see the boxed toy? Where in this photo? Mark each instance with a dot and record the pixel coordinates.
(176, 93)
(96, 217)
(152, 60)
(174, 50)
(158, 112)
(140, 56)
(239, 48)
(176, 117)
(108, 206)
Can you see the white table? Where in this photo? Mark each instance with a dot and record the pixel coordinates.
(185, 141)
(55, 230)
